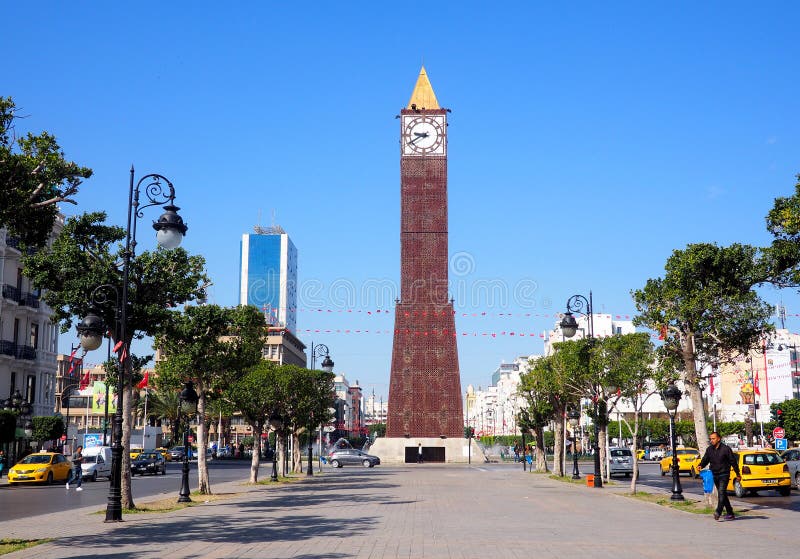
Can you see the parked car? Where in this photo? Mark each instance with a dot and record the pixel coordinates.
(621, 461)
(40, 467)
(149, 462)
(688, 462)
(177, 452)
(792, 458)
(348, 456)
(762, 470)
(96, 462)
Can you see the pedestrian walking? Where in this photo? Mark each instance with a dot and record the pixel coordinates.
(76, 473)
(419, 453)
(719, 457)
(2, 462)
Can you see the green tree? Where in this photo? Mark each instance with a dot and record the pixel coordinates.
(547, 392)
(626, 363)
(791, 418)
(213, 347)
(538, 411)
(256, 396)
(34, 178)
(309, 400)
(707, 310)
(85, 256)
(47, 428)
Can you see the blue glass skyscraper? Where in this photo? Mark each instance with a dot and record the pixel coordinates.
(268, 275)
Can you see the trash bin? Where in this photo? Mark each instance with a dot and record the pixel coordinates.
(589, 480)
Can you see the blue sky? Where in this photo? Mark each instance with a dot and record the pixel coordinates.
(585, 143)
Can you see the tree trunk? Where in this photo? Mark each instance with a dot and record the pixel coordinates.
(127, 424)
(280, 442)
(635, 447)
(541, 455)
(692, 386)
(256, 461)
(297, 455)
(558, 442)
(602, 432)
(204, 486)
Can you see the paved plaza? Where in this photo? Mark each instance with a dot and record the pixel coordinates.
(433, 511)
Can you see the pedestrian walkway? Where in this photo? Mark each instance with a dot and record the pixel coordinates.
(433, 511)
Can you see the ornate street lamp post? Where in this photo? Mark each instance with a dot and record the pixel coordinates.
(317, 350)
(24, 425)
(170, 230)
(276, 422)
(569, 326)
(574, 416)
(671, 397)
(188, 406)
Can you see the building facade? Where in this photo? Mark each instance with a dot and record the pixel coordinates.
(268, 275)
(28, 340)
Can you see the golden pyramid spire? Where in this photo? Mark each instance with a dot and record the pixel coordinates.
(423, 96)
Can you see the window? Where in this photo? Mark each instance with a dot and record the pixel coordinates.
(35, 336)
(13, 382)
(30, 389)
(16, 330)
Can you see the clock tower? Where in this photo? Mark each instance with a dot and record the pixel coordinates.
(425, 386)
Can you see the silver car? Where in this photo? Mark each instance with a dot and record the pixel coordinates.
(792, 458)
(349, 456)
(621, 461)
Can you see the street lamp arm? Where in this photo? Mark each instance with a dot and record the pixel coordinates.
(579, 304)
(156, 193)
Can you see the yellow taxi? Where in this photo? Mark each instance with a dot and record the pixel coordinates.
(40, 467)
(134, 453)
(640, 454)
(762, 470)
(165, 453)
(688, 461)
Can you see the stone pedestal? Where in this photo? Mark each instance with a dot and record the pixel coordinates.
(394, 450)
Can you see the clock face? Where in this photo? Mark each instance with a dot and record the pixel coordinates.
(423, 135)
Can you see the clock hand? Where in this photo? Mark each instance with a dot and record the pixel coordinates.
(421, 134)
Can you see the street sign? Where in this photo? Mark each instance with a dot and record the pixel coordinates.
(781, 444)
(778, 432)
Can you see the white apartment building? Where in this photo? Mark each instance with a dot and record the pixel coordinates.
(28, 340)
(604, 325)
(493, 411)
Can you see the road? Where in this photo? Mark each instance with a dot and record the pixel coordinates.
(649, 475)
(24, 501)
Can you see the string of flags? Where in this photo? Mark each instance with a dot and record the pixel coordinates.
(385, 312)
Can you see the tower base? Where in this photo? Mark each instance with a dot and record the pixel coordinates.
(405, 450)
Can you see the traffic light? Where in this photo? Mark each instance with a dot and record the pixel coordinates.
(773, 414)
(779, 413)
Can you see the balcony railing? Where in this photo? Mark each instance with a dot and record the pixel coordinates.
(11, 292)
(26, 352)
(8, 348)
(12, 242)
(29, 300)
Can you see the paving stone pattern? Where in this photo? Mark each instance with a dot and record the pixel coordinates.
(433, 511)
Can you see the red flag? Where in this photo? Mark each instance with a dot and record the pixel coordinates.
(755, 385)
(85, 380)
(71, 361)
(662, 333)
(117, 346)
(145, 380)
